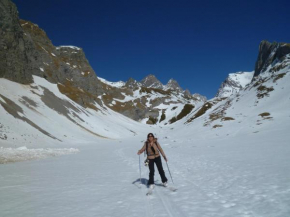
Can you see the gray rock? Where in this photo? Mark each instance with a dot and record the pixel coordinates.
(269, 53)
(15, 63)
(173, 85)
(66, 65)
(151, 82)
(132, 84)
(199, 97)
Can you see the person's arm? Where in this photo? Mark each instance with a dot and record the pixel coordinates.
(161, 150)
(142, 149)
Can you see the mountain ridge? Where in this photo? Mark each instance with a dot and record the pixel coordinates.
(66, 70)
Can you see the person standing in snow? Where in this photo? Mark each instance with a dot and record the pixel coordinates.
(153, 150)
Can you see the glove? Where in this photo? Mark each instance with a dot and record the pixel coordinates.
(146, 162)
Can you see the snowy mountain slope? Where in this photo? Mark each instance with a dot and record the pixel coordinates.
(146, 104)
(234, 83)
(262, 105)
(38, 115)
(254, 108)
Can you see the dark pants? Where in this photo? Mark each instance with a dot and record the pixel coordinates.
(158, 163)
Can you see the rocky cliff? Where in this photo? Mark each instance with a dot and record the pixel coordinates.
(26, 50)
(269, 55)
(16, 61)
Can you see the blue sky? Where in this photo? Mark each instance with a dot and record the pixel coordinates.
(198, 43)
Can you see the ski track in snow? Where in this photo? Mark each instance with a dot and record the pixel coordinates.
(220, 177)
(157, 196)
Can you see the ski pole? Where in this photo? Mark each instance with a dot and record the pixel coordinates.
(169, 172)
(140, 168)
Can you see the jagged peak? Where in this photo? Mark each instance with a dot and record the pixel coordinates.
(151, 81)
(173, 84)
(171, 80)
(150, 76)
(131, 80)
(132, 83)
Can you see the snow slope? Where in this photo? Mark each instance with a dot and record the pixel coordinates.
(216, 176)
(234, 83)
(38, 115)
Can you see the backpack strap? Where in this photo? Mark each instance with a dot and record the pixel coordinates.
(157, 145)
(146, 150)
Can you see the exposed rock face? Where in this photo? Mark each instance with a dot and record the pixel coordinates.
(15, 61)
(65, 64)
(187, 93)
(199, 97)
(79, 70)
(132, 83)
(151, 82)
(270, 53)
(26, 50)
(172, 84)
(234, 83)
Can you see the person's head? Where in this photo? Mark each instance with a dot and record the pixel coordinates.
(150, 137)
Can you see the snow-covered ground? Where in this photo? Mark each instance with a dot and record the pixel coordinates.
(215, 175)
(9, 155)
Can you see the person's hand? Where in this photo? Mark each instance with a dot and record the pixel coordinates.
(165, 158)
(138, 153)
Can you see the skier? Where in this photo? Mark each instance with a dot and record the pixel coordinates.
(153, 155)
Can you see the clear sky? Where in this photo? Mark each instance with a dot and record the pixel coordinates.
(198, 43)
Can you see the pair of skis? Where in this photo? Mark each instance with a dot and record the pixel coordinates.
(150, 190)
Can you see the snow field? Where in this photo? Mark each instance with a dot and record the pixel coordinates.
(216, 176)
(10, 155)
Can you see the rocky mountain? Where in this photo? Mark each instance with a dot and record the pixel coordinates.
(257, 103)
(234, 83)
(132, 83)
(151, 82)
(32, 53)
(172, 84)
(26, 50)
(141, 102)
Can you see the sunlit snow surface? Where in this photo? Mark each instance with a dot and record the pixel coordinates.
(9, 155)
(215, 176)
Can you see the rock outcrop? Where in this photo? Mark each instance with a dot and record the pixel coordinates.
(16, 63)
(270, 54)
(173, 84)
(151, 82)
